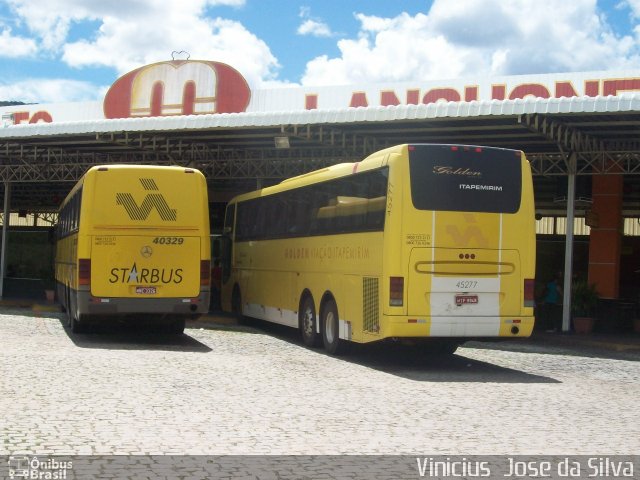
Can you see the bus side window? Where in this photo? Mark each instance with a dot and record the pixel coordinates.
(229, 219)
(275, 217)
(377, 199)
(244, 221)
(298, 213)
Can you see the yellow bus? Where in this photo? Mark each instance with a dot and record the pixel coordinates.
(416, 241)
(133, 243)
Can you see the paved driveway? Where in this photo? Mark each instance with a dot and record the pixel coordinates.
(236, 390)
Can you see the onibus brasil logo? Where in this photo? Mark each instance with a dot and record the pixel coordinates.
(23, 466)
(151, 201)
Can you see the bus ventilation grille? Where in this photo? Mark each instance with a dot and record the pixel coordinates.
(370, 305)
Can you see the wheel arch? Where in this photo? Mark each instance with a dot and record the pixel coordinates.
(327, 296)
(236, 296)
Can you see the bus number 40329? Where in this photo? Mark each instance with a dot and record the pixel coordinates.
(168, 240)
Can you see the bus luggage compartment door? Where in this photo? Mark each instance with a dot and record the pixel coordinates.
(464, 282)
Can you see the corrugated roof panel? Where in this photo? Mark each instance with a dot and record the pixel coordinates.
(624, 103)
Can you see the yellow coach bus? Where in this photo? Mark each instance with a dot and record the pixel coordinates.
(133, 243)
(415, 241)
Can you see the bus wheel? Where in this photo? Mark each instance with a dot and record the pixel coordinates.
(441, 347)
(67, 309)
(449, 348)
(63, 301)
(72, 316)
(75, 324)
(308, 330)
(331, 329)
(176, 325)
(236, 302)
(236, 307)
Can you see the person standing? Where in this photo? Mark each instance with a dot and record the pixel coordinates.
(552, 304)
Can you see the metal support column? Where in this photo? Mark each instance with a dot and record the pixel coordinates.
(5, 230)
(568, 252)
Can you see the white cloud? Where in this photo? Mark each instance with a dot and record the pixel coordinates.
(477, 38)
(147, 31)
(314, 28)
(452, 39)
(41, 90)
(128, 45)
(14, 47)
(634, 5)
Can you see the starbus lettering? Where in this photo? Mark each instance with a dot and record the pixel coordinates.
(128, 275)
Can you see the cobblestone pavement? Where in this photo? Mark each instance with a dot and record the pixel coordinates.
(237, 390)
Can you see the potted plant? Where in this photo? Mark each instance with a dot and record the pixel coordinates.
(584, 299)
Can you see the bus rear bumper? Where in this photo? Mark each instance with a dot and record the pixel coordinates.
(465, 327)
(90, 305)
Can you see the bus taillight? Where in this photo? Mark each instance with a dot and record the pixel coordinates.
(529, 292)
(205, 272)
(396, 291)
(84, 271)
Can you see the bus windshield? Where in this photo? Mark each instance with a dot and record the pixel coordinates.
(465, 179)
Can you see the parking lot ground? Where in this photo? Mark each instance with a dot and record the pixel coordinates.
(228, 389)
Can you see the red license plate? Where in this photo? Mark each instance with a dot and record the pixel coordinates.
(146, 290)
(466, 299)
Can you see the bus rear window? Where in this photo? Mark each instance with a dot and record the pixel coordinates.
(465, 179)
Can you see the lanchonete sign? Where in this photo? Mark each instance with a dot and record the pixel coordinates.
(193, 87)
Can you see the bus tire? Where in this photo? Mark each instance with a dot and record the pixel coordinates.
(176, 325)
(62, 298)
(67, 310)
(236, 306)
(330, 324)
(72, 321)
(449, 348)
(308, 322)
(441, 348)
(236, 302)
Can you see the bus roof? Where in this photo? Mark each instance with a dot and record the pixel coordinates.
(326, 173)
(340, 170)
(131, 166)
(91, 171)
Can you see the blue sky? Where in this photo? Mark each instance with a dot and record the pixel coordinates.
(73, 50)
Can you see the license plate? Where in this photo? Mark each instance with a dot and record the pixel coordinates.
(146, 290)
(466, 299)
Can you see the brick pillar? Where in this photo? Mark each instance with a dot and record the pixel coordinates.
(606, 238)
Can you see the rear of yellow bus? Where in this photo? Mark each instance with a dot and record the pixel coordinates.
(143, 244)
(460, 253)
